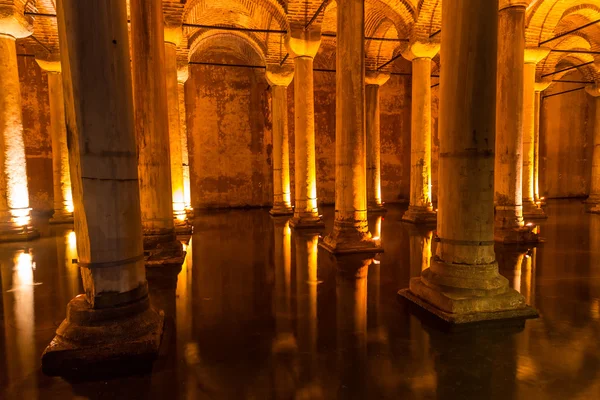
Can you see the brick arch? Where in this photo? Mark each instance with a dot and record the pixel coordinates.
(212, 42)
(379, 52)
(569, 42)
(429, 19)
(565, 60)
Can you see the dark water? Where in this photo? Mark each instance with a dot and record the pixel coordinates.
(260, 312)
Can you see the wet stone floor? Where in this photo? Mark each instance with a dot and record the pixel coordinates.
(261, 312)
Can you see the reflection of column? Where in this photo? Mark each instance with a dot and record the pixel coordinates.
(182, 77)
(15, 215)
(509, 224)
(351, 312)
(510, 264)
(63, 197)
(420, 250)
(539, 88)
(152, 130)
(99, 115)
(303, 46)
(282, 306)
(350, 228)
(463, 283)
(593, 201)
(531, 209)
(280, 78)
(420, 210)
(173, 36)
(306, 313)
(66, 248)
(373, 81)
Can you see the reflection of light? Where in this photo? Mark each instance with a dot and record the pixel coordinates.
(376, 262)
(69, 207)
(376, 238)
(530, 224)
(72, 240)
(595, 309)
(526, 368)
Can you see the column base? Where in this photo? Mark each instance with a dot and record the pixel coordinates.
(61, 217)
(22, 234)
(420, 215)
(349, 242)
(183, 227)
(592, 206)
(533, 211)
(162, 249)
(189, 212)
(281, 210)
(521, 235)
(307, 223)
(106, 338)
(376, 208)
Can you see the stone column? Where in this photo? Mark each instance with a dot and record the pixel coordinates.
(463, 284)
(173, 36)
(373, 81)
(63, 196)
(152, 129)
(303, 46)
(420, 209)
(350, 229)
(280, 78)
(531, 208)
(15, 214)
(539, 88)
(113, 321)
(182, 77)
(593, 201)
(509, 225)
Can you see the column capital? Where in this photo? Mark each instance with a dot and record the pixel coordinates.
(534, 55)
(593, 90)
(303, 43)
(279, 75)
(513, 3)
(376, 78)
(540, 86)
(13, 23)
(50, 63)
(183, 73)
(173, 34)
(421, 49)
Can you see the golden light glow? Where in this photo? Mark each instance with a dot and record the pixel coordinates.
(71, 241)
(21, 216)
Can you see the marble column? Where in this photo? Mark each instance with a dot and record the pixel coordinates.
(303, 46)
(182, 77)
(593, 201)
(63, 196)
(113, 321)
(463, 284)
(531, 208)
(539, 88)
(420, 209)
(173, 36)
(509, 225)
(152, 129)
(373, 81)
(15, 214)
(350, 228)
(279, 79)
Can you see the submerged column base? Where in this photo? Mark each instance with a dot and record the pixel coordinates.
(181, 223)
(375, 207)
(520, 235)
(531, 210)
(108, 337)
(592, 205)
(301, 222)
(466, 293)
(162, 249)
(420, 215)
(61, 217)
(353, 239)
(16, 228)
(281, 210)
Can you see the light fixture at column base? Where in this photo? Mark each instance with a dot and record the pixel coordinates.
(105, 339)
(420, 216)
(61, 217)
(521, 235)
(280, 211)
(307, 223)
(376, 208)
(339, 243)
(533, 211)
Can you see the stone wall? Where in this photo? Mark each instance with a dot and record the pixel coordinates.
(566, 141)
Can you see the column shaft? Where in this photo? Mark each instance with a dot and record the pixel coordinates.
(15, 215)
(536, 154)
(184, 149)
(373, 125)
(282, 204)
(350, 230)
(420, 209)
(152, 130)
(306, 211)
(593, 200)
(63, 197)
(174, 131)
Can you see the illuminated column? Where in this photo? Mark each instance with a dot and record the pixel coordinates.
(173, 37)
(373, 81)
(152, 130)
(420, 210)
(63, 196)
(303, 46)
(510, 226)
(463, 283)
(15, 214)
(182, 77)
(539, 88)
(531, 208)
(113, 319)
(284, 341)
(350, 229)
(593, 201)
(280, 78)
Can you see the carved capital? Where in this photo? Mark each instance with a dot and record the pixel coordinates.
(301, 43)
(376, 78)
(13, 23)
(279, 75)
(421, 49)
(534, 55)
